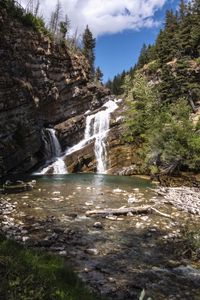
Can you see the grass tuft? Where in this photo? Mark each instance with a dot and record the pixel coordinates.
(33, 275)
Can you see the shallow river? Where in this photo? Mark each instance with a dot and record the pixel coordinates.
(116, 256)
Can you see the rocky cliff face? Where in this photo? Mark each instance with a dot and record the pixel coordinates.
(41, 85)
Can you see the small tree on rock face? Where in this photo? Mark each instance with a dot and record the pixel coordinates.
(89, 44)
(64, 27)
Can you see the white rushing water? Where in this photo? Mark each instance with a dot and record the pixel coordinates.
(58, 167)
(54, 143)
(97, 127)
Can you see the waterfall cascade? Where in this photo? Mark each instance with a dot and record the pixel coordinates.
(54, 143)
(58, 165)
(97, 127)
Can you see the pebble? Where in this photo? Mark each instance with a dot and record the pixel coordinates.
(89, 203)
(144, 218)
(56, 193)
(92, 251)
(117, 191)
(98, 225)
(63, 253)
(111, 279)
(132, 199)
(25, 238)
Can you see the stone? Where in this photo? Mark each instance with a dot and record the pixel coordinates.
(25, 238)
(98, 225)
(92, 251)
(63, 253)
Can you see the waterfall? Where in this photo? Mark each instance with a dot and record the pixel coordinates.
(97, 127)
(53, 145)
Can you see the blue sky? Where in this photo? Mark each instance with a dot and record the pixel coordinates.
(120, 51)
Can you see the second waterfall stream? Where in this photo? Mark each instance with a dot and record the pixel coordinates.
(97, 127)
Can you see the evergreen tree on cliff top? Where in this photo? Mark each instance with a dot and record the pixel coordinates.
(89, 44)
(98, 75)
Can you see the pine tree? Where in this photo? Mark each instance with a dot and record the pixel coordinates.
(195, 30)
(143, 58)
(185, 28)
(89, 44)
(109, 85)
(167, 44)
(182, 10)
(98, 75)
(168, 88)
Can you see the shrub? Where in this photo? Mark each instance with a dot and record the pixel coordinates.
(153, 66)
(198, 60)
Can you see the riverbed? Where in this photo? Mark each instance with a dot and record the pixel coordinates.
(119, 257)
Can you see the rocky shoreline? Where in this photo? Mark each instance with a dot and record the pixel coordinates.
(184, 198)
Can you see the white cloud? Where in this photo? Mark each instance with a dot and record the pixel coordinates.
(106, 16)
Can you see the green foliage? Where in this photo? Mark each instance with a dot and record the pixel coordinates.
(28, 19)
(147, 54)
(158, 117)
(31, 275)
(153, 66)
(14, 10)
(37, 23)
(191, 239)
(117, 84)
(167, 44)
(64, 27)
(174, 139)
(169, 139)
(198, 60)
(141, 103)
(180, 40)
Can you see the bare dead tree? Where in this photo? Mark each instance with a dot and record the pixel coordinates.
(36, 9)
(55, 18)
